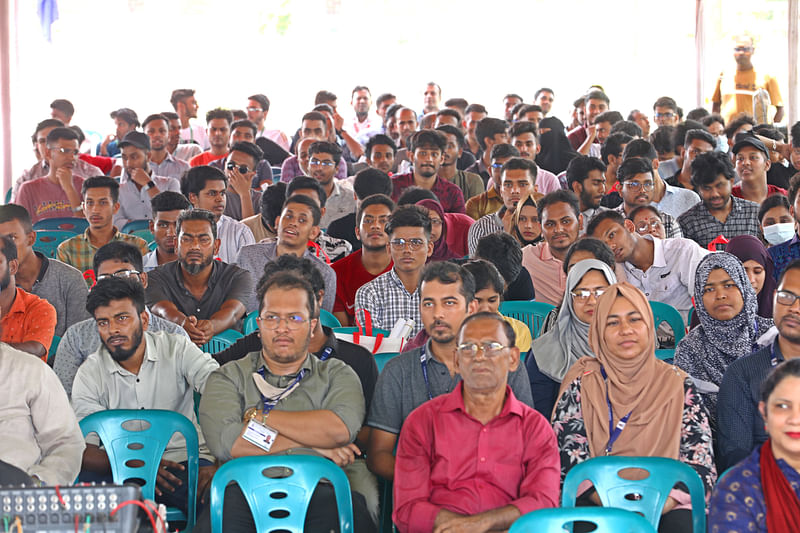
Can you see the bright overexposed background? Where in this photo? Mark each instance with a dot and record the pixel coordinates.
(107, 54)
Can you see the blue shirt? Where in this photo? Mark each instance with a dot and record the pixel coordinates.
(737, 503)
(783, 254)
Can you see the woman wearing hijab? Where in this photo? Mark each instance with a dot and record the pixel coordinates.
(759, 268)
(448, 231)
(726, 306)
(568, 340)
(526, 227)
(556, 151)
(664, 415)
(762, 493)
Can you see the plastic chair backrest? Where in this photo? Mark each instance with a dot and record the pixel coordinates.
(651, 492)
(328, 319)
(47, 241)
(250, 325)
(290, 494)
(146, 444)
(607, 520)
(382, 358)
(222, 340)
(531, 313)
(136, 225)
(666, 313)
(144, 234)
(51, 354)
(72, 224)
(8, 196)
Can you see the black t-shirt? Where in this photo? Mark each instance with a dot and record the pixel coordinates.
(780, 175)
(521, 289)
(345, 228)
(273, 152)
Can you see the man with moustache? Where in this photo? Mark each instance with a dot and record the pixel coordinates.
(585, 178)
(218, 130)
(161, 161)
(203, 296)
(135, 368)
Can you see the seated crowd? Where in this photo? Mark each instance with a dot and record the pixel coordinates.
(426, 223)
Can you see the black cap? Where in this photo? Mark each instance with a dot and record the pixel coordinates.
(128, 115)
(748, 139)
(137, 139)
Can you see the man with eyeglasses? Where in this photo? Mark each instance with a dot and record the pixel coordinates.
(447, 297)
(119, 259)
(663, 270)
(206, 188)
(740, 425)
(204, 296)
(518, 179)
(136, 368)
(734, 91)
(323, 161)
(100, 204)
(393, 296)
(491, 201)
(305, 404)
(42, 167)
(138, 183)
(635, 176)
(665, 112)
(58, 193)
(471, 483)
(257, 111)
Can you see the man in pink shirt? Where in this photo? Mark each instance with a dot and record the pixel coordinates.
(562, 222)
(58, 193)
(450, 472)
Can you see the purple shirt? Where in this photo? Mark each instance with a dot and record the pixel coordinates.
(449, 195)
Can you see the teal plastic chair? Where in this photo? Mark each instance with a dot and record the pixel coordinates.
(280, 503)
(382, 358)
(328, 319)
(646, 496)
(72, 224)
(531, 313)
(123, 445)
(354, 329)
(152, 245)
(8, 196)
(47, 241)
(666, 313)
(250, 325)
(51, 354)
(136, 225)
(607, 520)
(144, 234)
(221, 340)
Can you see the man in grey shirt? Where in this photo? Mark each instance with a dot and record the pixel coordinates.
(52, 280)
(118, 259)
(298, 223)
(447, 297)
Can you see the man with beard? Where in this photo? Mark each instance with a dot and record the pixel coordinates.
(585, 178)
(218, 130)
(167, 206)
(135, 368)
(470, 183)
(367, 182)
(28, 322)
(447, 297)
(100, 204)
(380, 151)
(323, 160)
(118, 259)
(207, 188)
(204, 296)
(162, 162)
(518, 180)
(427, 147)
(139, 184)
(185, 105)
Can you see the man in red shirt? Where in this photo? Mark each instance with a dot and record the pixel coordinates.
(595, 102)
(366, 264)
(449, 471)
(218, 130)
(752, 163)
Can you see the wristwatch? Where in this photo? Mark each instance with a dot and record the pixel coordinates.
(150, 184)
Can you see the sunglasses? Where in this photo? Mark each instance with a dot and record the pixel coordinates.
(244, 169)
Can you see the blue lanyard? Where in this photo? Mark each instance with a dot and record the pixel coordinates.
(269, 404)
(423, 361)
(773, 360)
(613, 431)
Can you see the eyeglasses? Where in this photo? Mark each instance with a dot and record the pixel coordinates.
(254, 109)
(665, 115)
(470, 349)
(293, 322)
(414, 244)
(244, 169)
(497, 165)
(317, 162)
(436, 222)
(636, 186)
(786, 298)
(742, 48)
(646, 225)
(583, 294)
(120, 274)
(69, 151)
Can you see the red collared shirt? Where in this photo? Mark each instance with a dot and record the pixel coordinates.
(449, 195)
(446, 459)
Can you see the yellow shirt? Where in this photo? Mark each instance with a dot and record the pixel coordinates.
(522, 332)
(734, 91)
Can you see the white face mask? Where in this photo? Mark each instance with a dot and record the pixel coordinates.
(778, 233)
(722, 143)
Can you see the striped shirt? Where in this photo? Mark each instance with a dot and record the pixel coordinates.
(387, 300)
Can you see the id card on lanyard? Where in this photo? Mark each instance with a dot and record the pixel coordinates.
(613, 431)
(423, 362)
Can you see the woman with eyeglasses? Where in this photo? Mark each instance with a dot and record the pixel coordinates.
(557, 350)
(647, 221)
(762, 493)
(726, 306)
(626, 402)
